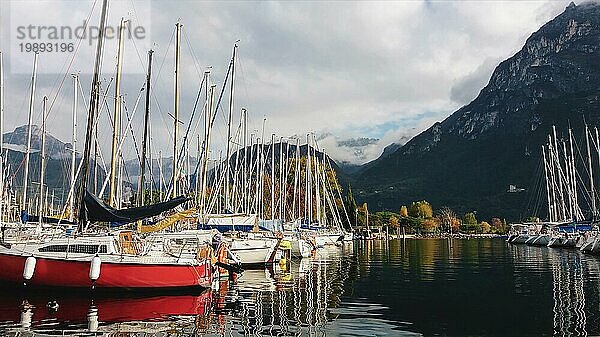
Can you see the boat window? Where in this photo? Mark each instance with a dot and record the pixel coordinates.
(82, 249)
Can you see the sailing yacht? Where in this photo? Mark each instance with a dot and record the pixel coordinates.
(565, 227)
(92, 258)
(118, 259)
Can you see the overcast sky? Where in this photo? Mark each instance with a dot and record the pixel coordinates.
(343, 70)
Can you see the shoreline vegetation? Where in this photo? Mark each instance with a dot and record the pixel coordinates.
(419, 219)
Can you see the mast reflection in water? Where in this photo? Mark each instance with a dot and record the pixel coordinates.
(375, 288)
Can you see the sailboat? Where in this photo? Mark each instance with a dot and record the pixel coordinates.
(114, 259)
(567, 225)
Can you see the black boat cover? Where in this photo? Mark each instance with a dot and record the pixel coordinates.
(98, 211)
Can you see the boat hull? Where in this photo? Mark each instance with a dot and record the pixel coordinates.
(254, 255)
(591, 245)
(322, 240)
(75, 274)
(560, 242)
(301, 248)
(539, 240)
(520, 239)
(512, 237)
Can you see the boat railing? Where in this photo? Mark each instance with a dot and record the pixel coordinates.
(130, 245)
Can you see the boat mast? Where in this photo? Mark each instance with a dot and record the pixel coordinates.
(210, 98)
(73, 145)
(187, 163)
(555, 215)
(296, 182)
(285, 181)
(145, 139)
(550, 215)
(161, 178)
(280, 178)
(273, 177)
(316, 182)
(1, 138)
(248, 187)
(558, 166)
(198, 173)
(116, 119)
(245, 164)
(589, 157)
(253, 186)
(42, 162)
(261, 175)
(151, 165)
(96, 161)
(228, 147)
(29, 122)
(218, 182)
(568, 184)
(176, 110)
(93, 109)
(573, 177)
(235, 183)
(597, 144)
(326, 192)
(308, 180)
(120, 163)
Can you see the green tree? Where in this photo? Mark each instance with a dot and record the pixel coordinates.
(375, 220)
(471, 228)
(533, 219)
(411, 224)
(470, 218)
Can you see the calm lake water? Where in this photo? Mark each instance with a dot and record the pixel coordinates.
(376, 288)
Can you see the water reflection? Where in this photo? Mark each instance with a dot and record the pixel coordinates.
(374, 288)
(72, 314)
(273, 302)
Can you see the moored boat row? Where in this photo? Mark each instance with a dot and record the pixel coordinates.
(261, 204)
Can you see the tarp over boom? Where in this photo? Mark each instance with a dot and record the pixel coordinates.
(97, 210)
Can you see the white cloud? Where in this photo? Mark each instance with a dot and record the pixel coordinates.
(345, 68)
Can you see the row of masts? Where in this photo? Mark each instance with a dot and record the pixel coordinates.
(275, 182)
(564, 182)
(232, 185)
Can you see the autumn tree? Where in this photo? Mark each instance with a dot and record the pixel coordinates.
(394, 223)
(431, 225)
(499, 226)
(420, 209)
(447, 218)
(485, 227)
(403, 211)
(455, 224)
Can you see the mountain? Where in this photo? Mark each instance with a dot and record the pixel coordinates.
(17, 140)
(468, 161)
(58, 161)
(58, 156)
